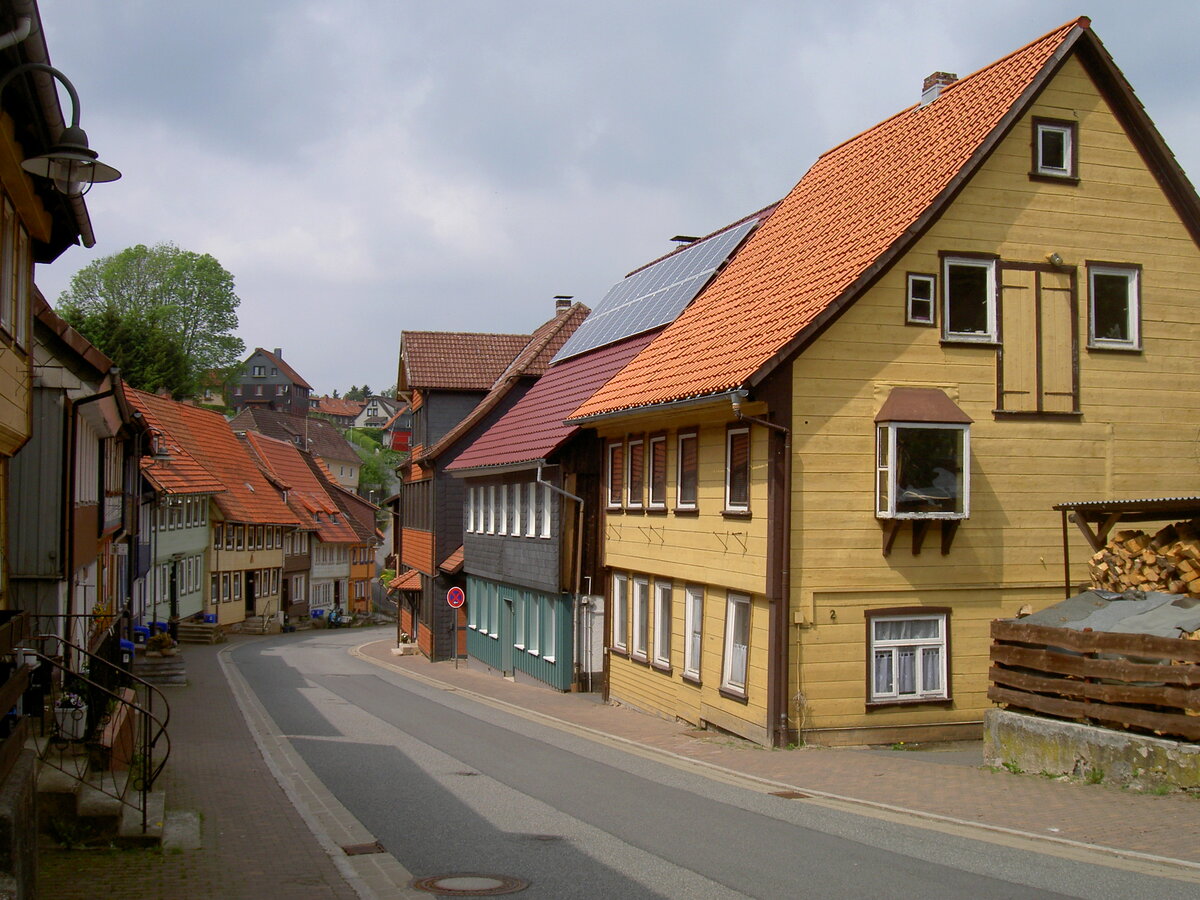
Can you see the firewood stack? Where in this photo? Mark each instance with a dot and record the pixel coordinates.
(1133, 560)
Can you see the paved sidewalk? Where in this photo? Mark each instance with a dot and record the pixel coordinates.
(1131, 823)
(254, 842)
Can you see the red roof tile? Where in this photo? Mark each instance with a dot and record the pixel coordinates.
(171, 469)
(453, 563)
(308, 498)
(534, 427)
(530, 362)
(318, 436)
(409, 580)
(338, 406)
(859, 203)
(454, 361)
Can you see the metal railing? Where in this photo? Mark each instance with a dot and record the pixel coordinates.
(99, 723)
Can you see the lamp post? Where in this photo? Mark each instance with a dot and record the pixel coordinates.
(70, 164)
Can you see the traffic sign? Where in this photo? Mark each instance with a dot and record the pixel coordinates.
(455, 597)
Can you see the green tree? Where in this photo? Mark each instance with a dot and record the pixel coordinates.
(165, 316)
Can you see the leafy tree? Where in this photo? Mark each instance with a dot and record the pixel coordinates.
(358, 393)
(165, 316)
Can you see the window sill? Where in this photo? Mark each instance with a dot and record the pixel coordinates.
(736, 514)
(1114, 348)
(614, 510)
(634, 511)
(619, 651)
(986, 342)
(639, 659)
(656, 511)
(657, 666)
(734, 694)
(916, 701)
(1054, 178)
(692, 679)
(1026, 414)
(686, 511)
(550, 659)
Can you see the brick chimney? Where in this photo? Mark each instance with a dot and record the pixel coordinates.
(562, 301)
(934, 84)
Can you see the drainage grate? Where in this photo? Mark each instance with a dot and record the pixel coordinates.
(363, 849)
(469, 885)
(791, 795)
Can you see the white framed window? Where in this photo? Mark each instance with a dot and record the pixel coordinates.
(484, 608)
(909, 653)
(472, 610)
(502, 512)
(969, 299)
(516, 509)
(479, 499)
(494, 613)
(535, 624)
(693, 630)
(615, 474)
(1054, 148)
(641, 615)
(687, 470)
(549, 632)
(519, 620)
(470, 510)
(662, 623)
(635, 471)
(737, 643)
(921, 303)
(737, 469)
(531, 510)
(620, 609)
(1114, 307)
(546, 500)
(491, 509)
(657, 462)
(923, 470)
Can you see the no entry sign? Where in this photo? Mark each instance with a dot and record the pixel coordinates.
(455, 597)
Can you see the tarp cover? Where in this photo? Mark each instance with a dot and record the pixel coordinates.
(1133, 612)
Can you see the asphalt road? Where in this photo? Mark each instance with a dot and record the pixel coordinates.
(451, 785)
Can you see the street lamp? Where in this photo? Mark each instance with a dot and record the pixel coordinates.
(70, 164)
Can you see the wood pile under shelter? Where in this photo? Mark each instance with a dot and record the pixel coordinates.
(1168, 561)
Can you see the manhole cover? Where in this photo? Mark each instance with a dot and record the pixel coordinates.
(469, 885)
(790, 795)
(363, 849)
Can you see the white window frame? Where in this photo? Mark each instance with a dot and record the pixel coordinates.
(662, 623)
(1040, 130)
(531, 511)
(736, 664)
(546, 499)
(680, 439)
(887, 471)
(641, 617)
(653, 501)
(479, 503)
(549, 638)
(519, 620)
(632, 501)
(472, 610)
(613, 493)
(1132, 276)
(991, 333)
(535, 624)
(494, 613)
(693, 630)
(928, 285)
(516, 509)
(470, 510)
(502, 512)
(740, 505)
(491, 509)
(892, 653)
(620, 607)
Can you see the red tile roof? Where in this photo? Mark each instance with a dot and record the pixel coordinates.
(534, 427)
(171, 469)
(409, 580)
(283, 367)
(453, 563)
(247, 496)
(68, 335)
(338, 406)
(531, 362)
(308, 498)
(454, 361)
(318, 436)
(859, 205)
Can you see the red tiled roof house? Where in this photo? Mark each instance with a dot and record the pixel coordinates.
(979, 307)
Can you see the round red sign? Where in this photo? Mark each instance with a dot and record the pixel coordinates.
(455, 597)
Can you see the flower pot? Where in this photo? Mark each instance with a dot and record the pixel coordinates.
(72, 722)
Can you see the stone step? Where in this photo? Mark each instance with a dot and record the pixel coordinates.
(199, 633)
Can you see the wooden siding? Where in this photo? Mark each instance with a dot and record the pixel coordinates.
(38, 493)
(1135, 437)
(418, 550)
(14, 398)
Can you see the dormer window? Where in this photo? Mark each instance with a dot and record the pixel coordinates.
(923, 457)
(1054, 146)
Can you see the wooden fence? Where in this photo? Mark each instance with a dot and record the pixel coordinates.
(1123, 681)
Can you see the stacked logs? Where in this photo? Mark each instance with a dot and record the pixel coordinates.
(1168, 561)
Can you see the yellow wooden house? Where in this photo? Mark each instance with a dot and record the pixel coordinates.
(839, 464)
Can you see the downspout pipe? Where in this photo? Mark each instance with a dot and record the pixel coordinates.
(575, 664)
(777, 674)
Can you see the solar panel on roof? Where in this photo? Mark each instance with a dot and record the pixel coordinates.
(655, 295)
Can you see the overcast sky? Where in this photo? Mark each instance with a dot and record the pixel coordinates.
(364, 167)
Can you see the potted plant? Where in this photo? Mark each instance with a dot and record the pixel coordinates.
(160, 644)
(70, 715)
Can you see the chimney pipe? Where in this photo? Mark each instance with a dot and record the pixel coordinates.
(934, 84)
(562, 301)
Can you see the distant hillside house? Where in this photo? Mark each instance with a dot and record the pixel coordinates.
(267, 382)
(338, 410)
